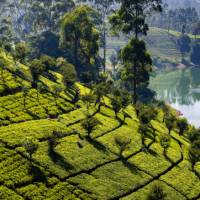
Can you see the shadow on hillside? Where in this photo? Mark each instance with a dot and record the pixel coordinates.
(133, 169)
(57, 158)
(38, 174)
(99, 146)
(33, 115)
(152, 152)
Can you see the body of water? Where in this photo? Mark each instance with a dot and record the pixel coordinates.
(181, 89)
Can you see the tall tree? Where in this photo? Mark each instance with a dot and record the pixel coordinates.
(6, 33)
(132, 15)
(131, 18)
(34, 17)
(137, 65)
(79, 35)
(184, 43)
(104, 8)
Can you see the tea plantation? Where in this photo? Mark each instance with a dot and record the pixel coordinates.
(76, 166)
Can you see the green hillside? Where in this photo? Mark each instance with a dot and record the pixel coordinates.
(161, 44)
(70, 165)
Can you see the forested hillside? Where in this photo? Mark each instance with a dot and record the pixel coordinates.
(71, 128)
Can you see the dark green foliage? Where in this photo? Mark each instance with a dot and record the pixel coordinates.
(100, 90)
(122, 143)
(68, 71)
(194, 152)
(137, 65)
(131, 16)
(3, 65)
(79, 35)
(41, 66)
(47, 43)
(184, 43)
(120, 99)
(194, 134)
(90, 124)
(157, 193)
(182, 125)
(25, 91)
(104, 8)
(116, 103)
(170, 122)
(6, 33)
(145, 95)
(165, 108)
(147, 113)
(165, 141)
(195, 55)
(143, 130)
(21, 52)
(30, 146)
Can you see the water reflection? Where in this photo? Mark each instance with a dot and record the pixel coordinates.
(181, 88)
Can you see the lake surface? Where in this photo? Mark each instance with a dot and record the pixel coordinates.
(181, 89)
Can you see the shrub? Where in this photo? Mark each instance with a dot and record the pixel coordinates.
(21, 51)
(90, 124)
(182, 124)
(165, 142)
(194, 152)
(194, 134)
(146, 114)
(116, 104)
(157, 193)
(143, 130)
(170, 122)
(122, 143)
(68, 71)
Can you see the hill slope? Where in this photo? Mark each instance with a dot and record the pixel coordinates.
(78, 167)
(161, 44)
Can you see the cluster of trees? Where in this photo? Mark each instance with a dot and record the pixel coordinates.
(31, 29)
(185, 20)
(186, 47)
(194, 151)
(42, 33)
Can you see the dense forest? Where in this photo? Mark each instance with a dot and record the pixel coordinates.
(78, 119)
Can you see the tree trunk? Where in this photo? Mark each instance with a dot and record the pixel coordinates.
(104, 46)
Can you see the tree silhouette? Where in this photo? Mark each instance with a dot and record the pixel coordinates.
(156, 193)
(182, 125)
(122, 143)
(90, 124)
(25, 91)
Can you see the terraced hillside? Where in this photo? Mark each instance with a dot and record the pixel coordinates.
(161, 44)
(77, 166)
